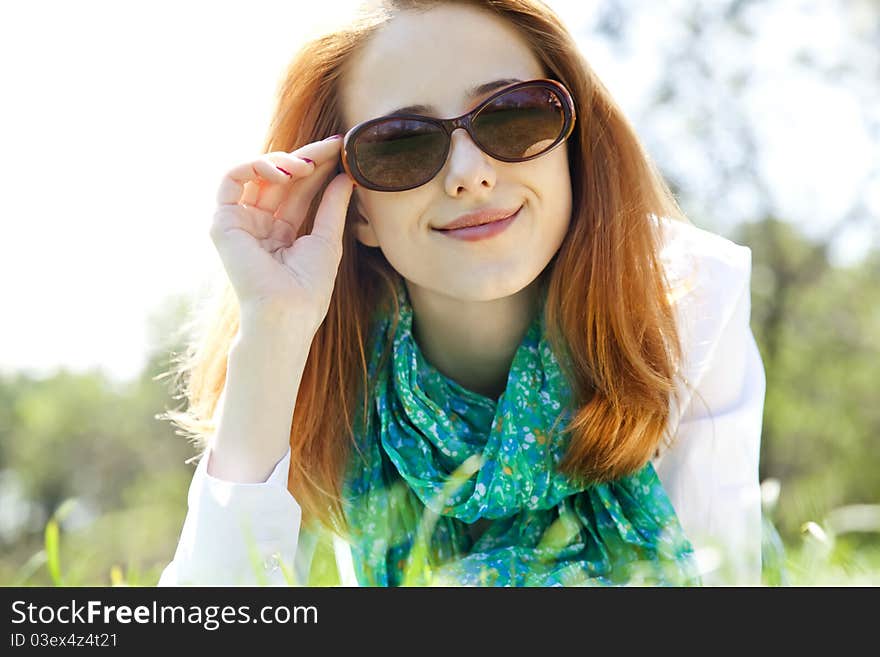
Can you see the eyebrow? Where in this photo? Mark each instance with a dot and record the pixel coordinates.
(472, 92)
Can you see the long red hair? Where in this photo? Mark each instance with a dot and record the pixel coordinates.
(609, 305)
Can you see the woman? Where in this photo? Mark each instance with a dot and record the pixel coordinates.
(568, 395)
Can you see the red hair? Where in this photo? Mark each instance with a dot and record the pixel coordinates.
(609, 307)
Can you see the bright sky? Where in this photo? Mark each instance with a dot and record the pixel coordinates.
(119, 119)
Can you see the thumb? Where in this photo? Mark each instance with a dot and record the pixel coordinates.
(330, 217)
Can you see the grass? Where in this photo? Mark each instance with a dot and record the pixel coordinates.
(841, 550)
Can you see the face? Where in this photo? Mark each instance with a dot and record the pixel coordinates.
(431, 59)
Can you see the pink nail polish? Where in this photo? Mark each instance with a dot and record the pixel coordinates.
(283, 170)
(307, 160)
(333, 137)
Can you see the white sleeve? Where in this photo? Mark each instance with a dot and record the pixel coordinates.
(239, 533)
(710, 472)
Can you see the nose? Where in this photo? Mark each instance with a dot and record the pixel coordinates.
(467, 165)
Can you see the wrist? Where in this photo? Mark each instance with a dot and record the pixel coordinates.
(273, 325)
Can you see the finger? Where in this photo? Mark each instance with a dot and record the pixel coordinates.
(299, 198)
(320, 151)
(232, 185)
(237, 185)
(326, 155)
(270, 196)
(294, 208)
(330, 217)
(251, 190)
(257, 192)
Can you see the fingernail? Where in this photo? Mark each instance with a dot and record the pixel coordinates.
(283, 170)
(307, 160)
(333, 137)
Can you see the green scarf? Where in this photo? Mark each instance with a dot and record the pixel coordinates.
(435, 456)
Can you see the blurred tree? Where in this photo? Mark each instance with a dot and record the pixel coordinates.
(818, 328)
(817, 325)
(80, 436)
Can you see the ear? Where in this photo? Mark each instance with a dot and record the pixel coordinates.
(363, 229)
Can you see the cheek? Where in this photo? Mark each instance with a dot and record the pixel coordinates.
(550, 172)
(394, 216)
(560, 166)
(552, 184)
(555, 196)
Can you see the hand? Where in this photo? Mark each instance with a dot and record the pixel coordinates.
(260, 210)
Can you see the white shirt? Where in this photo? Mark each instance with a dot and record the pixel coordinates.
(710, 472)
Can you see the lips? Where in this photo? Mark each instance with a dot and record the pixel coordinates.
(481, 231)
(479, 218)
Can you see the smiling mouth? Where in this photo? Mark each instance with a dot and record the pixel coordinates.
(485, 223)
(481, 231)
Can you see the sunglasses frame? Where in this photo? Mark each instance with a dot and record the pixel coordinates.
(464, 121)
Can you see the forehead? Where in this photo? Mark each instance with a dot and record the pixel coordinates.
(435, 59)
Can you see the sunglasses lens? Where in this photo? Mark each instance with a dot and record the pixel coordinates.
(399, 152)
(521, 124)
(403, 153)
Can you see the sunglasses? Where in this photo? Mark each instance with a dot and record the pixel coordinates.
(516, 124)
